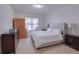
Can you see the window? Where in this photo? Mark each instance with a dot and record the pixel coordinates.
(31, 23)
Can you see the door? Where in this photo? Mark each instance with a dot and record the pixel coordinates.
(19, 24)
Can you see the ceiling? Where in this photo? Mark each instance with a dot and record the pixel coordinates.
(29, 8)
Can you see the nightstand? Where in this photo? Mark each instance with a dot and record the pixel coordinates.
(72, 41)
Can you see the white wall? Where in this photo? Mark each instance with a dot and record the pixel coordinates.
(41, 18)
(6, 15)
(69, 14)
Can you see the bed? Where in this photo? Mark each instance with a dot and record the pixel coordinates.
(50, 37)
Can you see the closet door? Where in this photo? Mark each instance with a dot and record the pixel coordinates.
(19, 24)
(22, 33)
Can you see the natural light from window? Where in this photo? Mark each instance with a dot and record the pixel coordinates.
(31, 23)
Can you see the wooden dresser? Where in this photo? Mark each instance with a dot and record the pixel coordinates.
(8, 43)
(72, 41)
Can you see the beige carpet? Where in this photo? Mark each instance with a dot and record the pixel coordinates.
(25, 46)
(59, 49)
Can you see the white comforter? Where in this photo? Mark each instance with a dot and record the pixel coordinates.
(43, 37)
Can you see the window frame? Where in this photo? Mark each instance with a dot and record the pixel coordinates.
(32, 23)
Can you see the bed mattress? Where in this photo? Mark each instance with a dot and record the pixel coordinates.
(45, 38)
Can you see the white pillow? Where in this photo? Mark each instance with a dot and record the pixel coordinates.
(57, 31)
(49, 29)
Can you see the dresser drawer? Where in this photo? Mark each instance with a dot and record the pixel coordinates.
(72, 41)
(7, 43)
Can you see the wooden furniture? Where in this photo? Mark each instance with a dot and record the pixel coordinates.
(9, 42)
(72, 41)
(19, 24)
